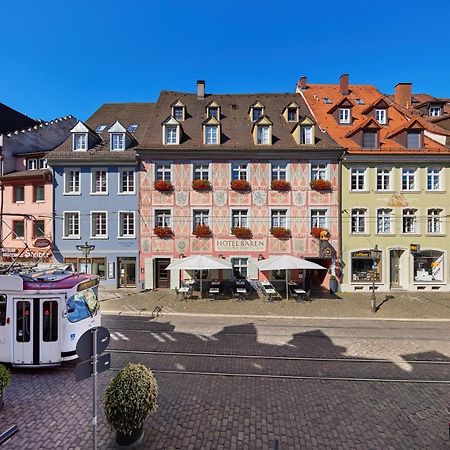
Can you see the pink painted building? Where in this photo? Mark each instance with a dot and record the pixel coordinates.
(256, 156)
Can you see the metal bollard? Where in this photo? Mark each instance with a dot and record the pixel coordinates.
(8, 434)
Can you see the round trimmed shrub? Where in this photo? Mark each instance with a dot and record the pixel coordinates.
(5, 378)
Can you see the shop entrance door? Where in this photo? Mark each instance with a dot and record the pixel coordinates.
(162, 275)
(127, 272)
(395, 268)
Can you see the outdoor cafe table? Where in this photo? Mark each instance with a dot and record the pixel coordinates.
(215, 283)
(214, 292)
(271, 291)
(184, 290)
(240, 282)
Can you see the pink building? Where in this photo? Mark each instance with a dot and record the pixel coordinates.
(230, 176)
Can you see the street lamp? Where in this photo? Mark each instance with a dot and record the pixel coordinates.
(85, 249)
(376, 255)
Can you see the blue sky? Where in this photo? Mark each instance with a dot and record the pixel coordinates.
(70, 57)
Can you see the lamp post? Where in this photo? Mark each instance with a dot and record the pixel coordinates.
(376, 255)
(85, 249)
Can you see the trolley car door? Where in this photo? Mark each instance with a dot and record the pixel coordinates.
(23, 331)
(50, 346)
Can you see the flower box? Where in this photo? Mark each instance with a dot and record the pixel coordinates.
(280, 232)
(240, 185)
(201, 185)
(316, 232)
(163, 232)
(242, 232)
(320, 185)
(202, 231)
(163, 186)
(280, 185)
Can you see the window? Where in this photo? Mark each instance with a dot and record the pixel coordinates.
(201, 217)
(2, 310)
(72, 181)
(434, 111)
(279, 171)
(360, 101)
(409, 220)
(171, 134)
(370, 139)
(126, 224)
(363, 267)
(43, 163)
(132, 127)
(262, 135)
(428, 266)
(99, 225)
(327, 101)
(408, 179)
(292, 114)
(239, 218)
(19, 229)
(72, 224)
(384, 220)
(98, 267)
(383, 179)
(118, 141)
(240, 267)
(23, 319)
(256, 114)
(239, 171)
(358, 179)
(381, 116)
(162, 218)
(100, 128)
(319, 218)
(126, 181)
(32, 164)
(213, 111)
(99, 182)
(211, 134)
(201, 172)
(433, 179)
(434, 220)
(80, 141)
(306, 135)
(38, 228)
(178, 112)
(77, 306)
(279, 218)
(358, 220)
(344, 115)
(50, 321)
(19, 194)
(319, 171)
(413, 139)
(163, 172)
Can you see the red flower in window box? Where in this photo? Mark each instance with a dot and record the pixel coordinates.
(163, 232)
(320, 185)
(316, 232)
(280, 185)
(280, 232)
(242, 232)
(163, 186)
(201, 185)
(240, 185)
(202, 231)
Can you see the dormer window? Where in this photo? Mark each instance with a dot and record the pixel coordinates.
(435, 111)
(292, 115)
(262, 134)
(213, 111)
(344, 115)
(132, 127)
(256, 114)
(80, 141)
(381, 116)
(178, 112)
(211, 134)
(370, 139)
(413, 139)
(117, 141)
(171, 135)
(306, 134)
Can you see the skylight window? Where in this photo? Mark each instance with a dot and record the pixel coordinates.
(132, 127)
(359, 101)
(101, 127)
(327, 101)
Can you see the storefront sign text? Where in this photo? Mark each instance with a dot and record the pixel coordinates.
(240, 245)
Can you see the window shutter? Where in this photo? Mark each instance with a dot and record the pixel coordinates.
(253, 271)
(148, 280)
(174, 276)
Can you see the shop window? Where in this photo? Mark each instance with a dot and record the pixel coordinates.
(99, 267)
(362, 267)
(429, 266)
(240, 267)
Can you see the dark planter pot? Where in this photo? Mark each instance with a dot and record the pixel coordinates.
(130, 440)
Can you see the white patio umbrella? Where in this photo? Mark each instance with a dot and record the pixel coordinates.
(287, 262)
(200, 262)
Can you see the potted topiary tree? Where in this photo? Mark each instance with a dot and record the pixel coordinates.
(130, 398)
(5, 379)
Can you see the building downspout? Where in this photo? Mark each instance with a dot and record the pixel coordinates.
(341, 159)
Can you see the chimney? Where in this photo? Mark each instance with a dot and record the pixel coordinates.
(402, 94)
(302, 83)
(200, 89)
(343, 84)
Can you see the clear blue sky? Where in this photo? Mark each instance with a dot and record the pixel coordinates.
(61, 58)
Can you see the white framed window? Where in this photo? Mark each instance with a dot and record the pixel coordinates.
(433, 179)
(19, 194)
(178, 113)
(240, 267)
(239, 171)
(319, 218)
(71, 224)
(99, 181)
(408, 179)
(434, 220)
(384, 220)
(72, 181)
(344, 115)
(163, 218)
(213, 111)
(319, 171)
(306, 135)
(278, 171)
(358, 217)
(32, 164)
(262, 134)
(163, 172)
(211, 134)
(292, 114)
(435, 111)
(200, 217)
(278, 218)
(413, 139)
(171, 134)
(99, 224)
(239, 218)
(127, 183)
(80, 141)
(43, 163)
(118, 141)
(384, 179)
(201, 171)
(358, 179)
(18, 229)
(126, 224)
(409, 221)
(256, 114)
(381, 116)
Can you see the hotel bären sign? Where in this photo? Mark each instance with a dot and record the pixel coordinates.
(240, 245)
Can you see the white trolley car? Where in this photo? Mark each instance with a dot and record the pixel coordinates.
(43, 314)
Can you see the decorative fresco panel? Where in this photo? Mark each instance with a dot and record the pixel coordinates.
(181, 198)
(162, 245)
(260, 221)
(220, 198)
(279, 198)
(279, 245)
(181, 245)
(201, 198)
(182, 176)
(160, 199)
(146, 245)
(240, 199)
(221, 175)
(221, 221)
(260, 175)
(299, 245)
(259, 198)
(201, 245)
(319, 198)
(299, 198)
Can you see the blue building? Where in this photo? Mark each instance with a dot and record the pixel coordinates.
(95, 181)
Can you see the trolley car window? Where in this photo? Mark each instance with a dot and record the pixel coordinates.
(2, 310)
(23, 322)
(82, 305)
(50, 321)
